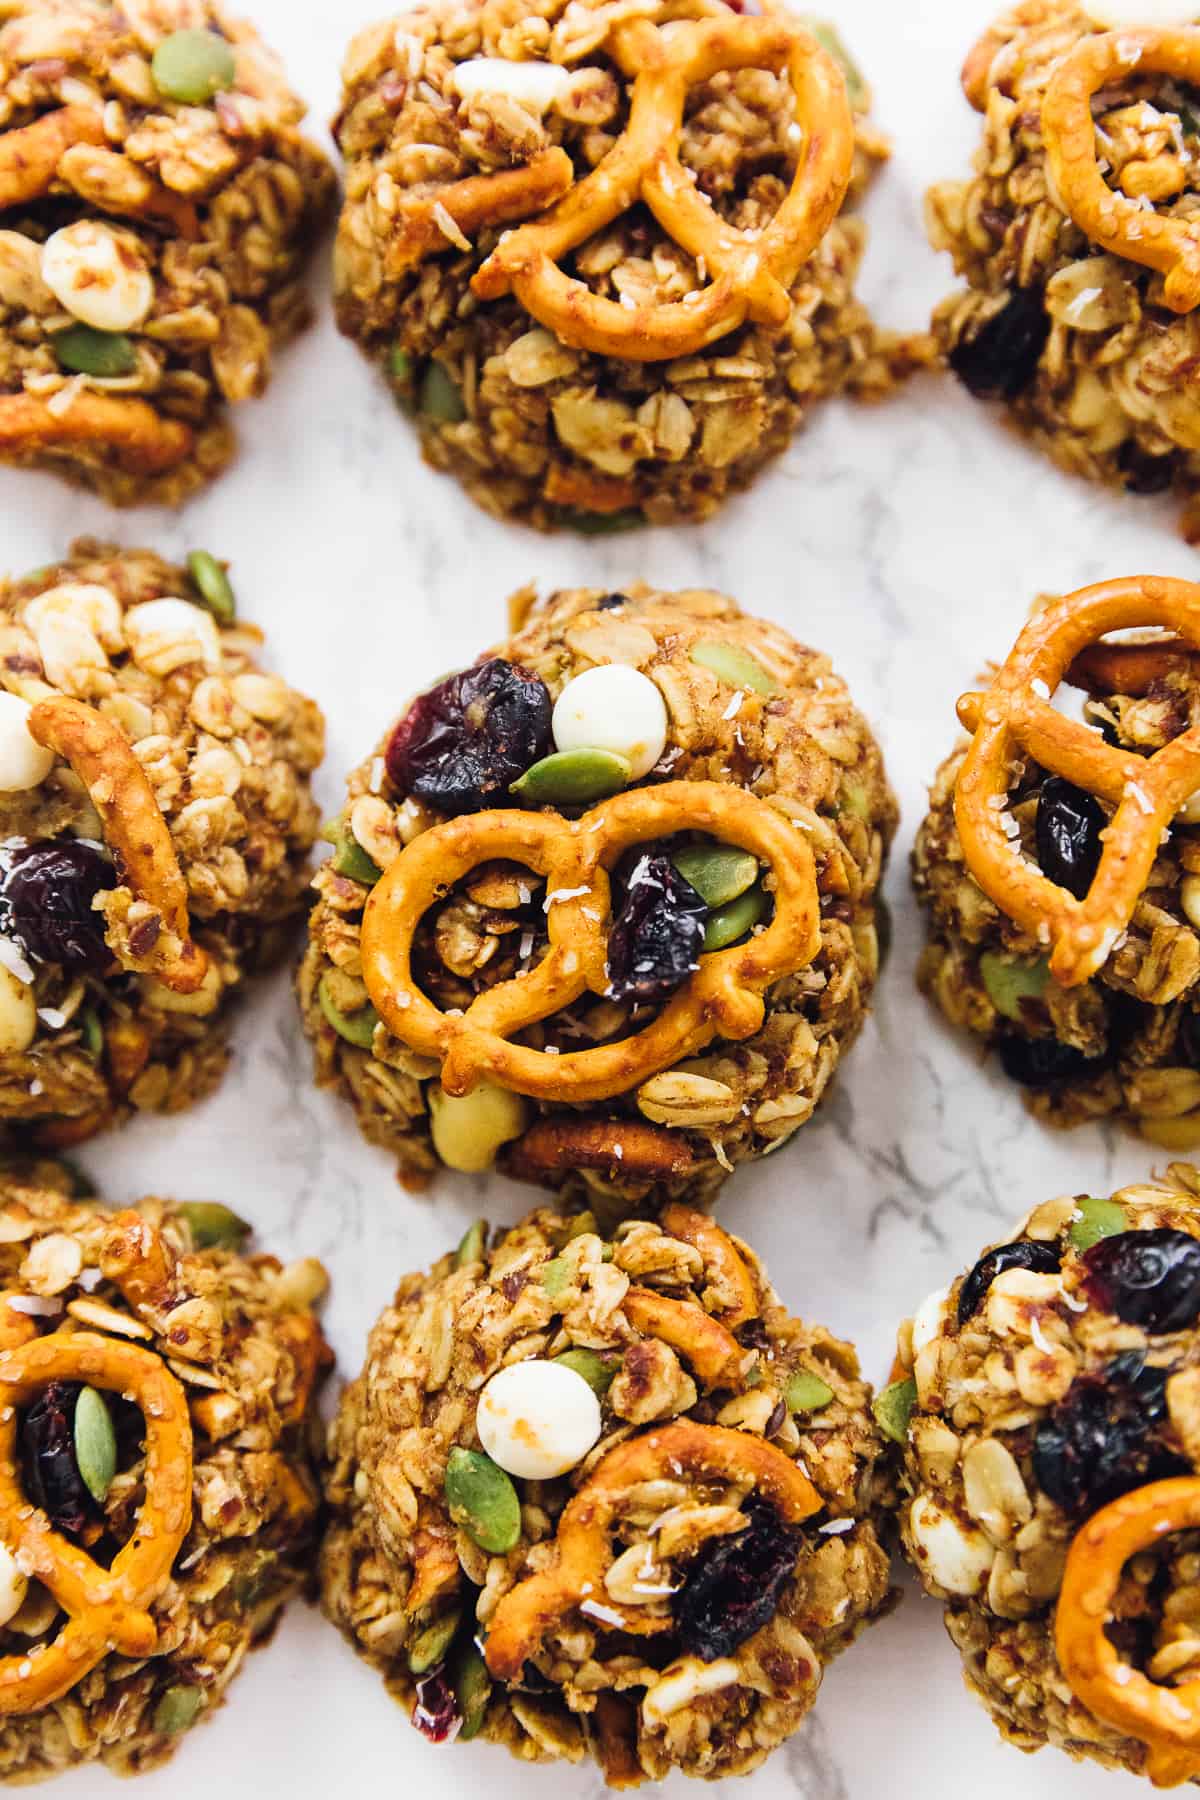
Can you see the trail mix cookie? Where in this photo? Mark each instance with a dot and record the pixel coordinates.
(605, 1499)
(1075, 238)
(157, 1497)
(602, 906)
(157, 203)
(573, 356)
(155, 824)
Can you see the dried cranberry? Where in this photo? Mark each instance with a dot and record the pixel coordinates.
(46, 895)
(1040, 1062)
(436, 1713)
(1106, 1436)
(1148, 1278)
(461, 746)
(657, 933)
(1001, 360)
(1069, 823)
(52, 1478)
(610, 602)
(1145, 474)
(1044, 1259)
(732, 1586)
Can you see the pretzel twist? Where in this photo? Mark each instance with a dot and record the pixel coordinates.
(723, 997)
(750, 273)
(532, 1609)
(1015, 717)
(128, 432)
(1165, 1719)
(1170, 245)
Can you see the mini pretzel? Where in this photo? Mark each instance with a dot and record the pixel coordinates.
(137, 439)
(1165, 1719)
(750, 275)
(532, 1609)
(721, 1258)
(108, 1609)
(1131, 669)
(1015, 716)
(471, 204)
(135, 829)
(1170, 245)
(29, 156)
(701, 1340)
(723, 997)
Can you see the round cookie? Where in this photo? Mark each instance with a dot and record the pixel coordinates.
(701, 1534)
(155, 824)
(157, 204)
(737, 770)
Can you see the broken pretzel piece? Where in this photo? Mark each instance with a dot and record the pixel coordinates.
(29, 156)
(473, 204)
(127, 432)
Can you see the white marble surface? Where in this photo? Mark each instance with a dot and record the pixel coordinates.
(908, 542)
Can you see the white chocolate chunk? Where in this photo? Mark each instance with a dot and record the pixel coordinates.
(98, 275)
(536, 85)
(955, 1556)
(616, 708)
(468, 1129)
(929, 1319)
(24, 763)
(18, 1013)
(537, 1419)
(165, 634)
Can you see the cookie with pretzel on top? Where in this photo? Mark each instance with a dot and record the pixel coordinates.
(602, 907)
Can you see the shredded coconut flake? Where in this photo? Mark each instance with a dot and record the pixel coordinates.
(561, 894)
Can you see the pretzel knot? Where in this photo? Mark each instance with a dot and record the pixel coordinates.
(108, 1609)
(750, 273)
(1108, 218)
(1015, 716)
(723, 997)
(533, 1609)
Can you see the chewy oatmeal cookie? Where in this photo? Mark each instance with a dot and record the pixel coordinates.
(638, 695)
(469, 116)
(164, 793)
(157, 203)
(605, 1498)
(1058, 1377)
(159, 1440)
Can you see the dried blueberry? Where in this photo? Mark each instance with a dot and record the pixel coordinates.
(1039, 1062)
(610, 602)
(52, 1478)
(1148, 1278)
(657, 933)
(1069, 823)
(732, 1586)
(1144, 473)
(46, 895)
(436, 1713)
(1106, 1436)
(1044, 1259)
(460, 747)
(1001, 360)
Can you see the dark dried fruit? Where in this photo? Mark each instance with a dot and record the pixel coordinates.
(1069, 823)
(1044, 1259)
(52, 1478)
(1145, 474)
(1039, 1062)
(732, 1587)
(1106, 1436)
(436, 1713)
(610, 602)
(460, 747)
(657, 933)
(1148, 1278)
(46, 895)
(1001, 360)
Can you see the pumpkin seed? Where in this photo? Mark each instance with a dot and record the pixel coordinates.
(735, 666)
(591, 524)
(400, 364)
(483, 1500)
(356, 1028)
(177, 1710)
(854, 800)
(893, 1408)
(1008, 982)
(717, 873)
(597, 1371)
(429, 1647)
(213, 585)
(556, 1276)
(729, 923)
(573, 778)
(830, 40)
(349, 858)
(472, 1245)
(192, 66)
(213, 1226)
(1097, 1219)
(93, 1034)
(582, 1223)
(440, 397)
(807, 1393)
(95, 1443)
(472, 1688)
(86, 351)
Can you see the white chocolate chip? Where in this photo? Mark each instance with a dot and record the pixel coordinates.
(166, 634)
(614, 708)
(18, 1013)
(13, 1586)
(536, 85)
(954, 1556)
(537, 1419)
(99, 275)
(683, 1683)
(929, 1319)
(468, 1129)
(1114, 15)
(24, 763)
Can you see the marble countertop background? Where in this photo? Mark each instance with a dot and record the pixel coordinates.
(908, 542)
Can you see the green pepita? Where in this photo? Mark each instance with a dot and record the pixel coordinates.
(807, 1393)
(735, 666)
(93, 1033)
(440, 396)
(95, 1443)
(213, 1226)
(400, 364)
(472, 1245)
(598, 1371)
(1008, 982)
(729, 923)
(893, 1409)
(717, 873)
(429, 1647)
(854, 800)
(557, 1276)
(830, 40)
(357, 1028)
(177, 1710)
(573, 778)
(86, 351)
(590, 524)
(472, 1688)
(212, 583)
(193, 66)
(1097, 1219)
(483, 1500)
(349, 858)
(583, 1224)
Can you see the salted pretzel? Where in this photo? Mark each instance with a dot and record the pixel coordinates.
(123, 431)
(531, 1610)
(1119, 224)
(1015, 717)
(29, 156)
(734, 1282)
(1165, 1719)
(723, 997)
(749, 274)
(471, 204)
